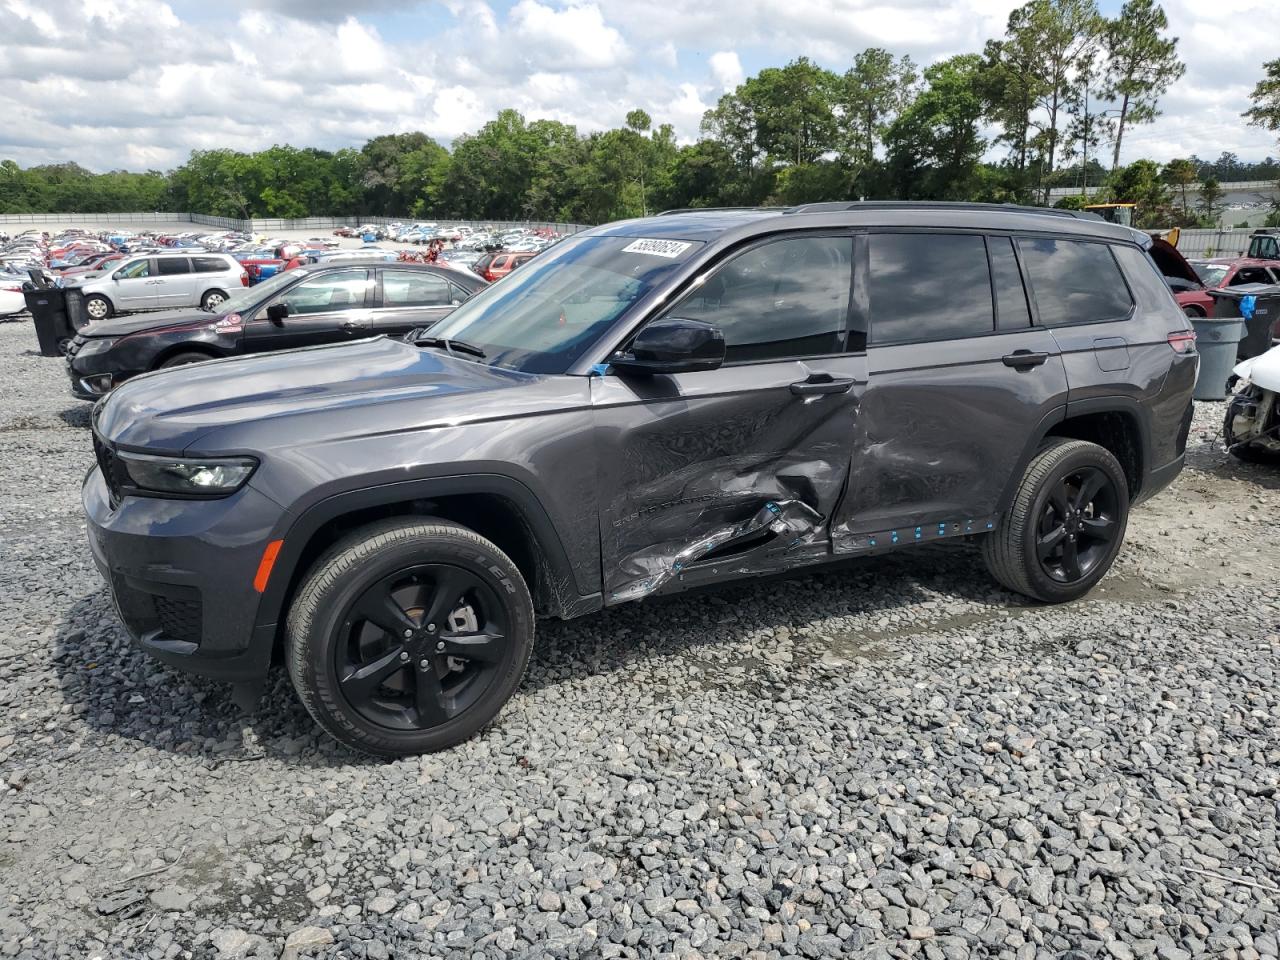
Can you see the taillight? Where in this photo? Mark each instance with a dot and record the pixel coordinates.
(1184, 341)
(244, 279)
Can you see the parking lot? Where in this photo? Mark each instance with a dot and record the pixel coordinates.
(893, 758)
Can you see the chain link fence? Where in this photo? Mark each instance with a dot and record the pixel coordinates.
(265, 225)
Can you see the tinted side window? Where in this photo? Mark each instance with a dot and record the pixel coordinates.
(1074, 281)
(927, 286)
(1144, 277)
(411, 288)
(209, 265)
(173, 265)
(1250, 275)
(787, 298)
(1012, 311)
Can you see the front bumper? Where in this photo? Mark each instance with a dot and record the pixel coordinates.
(181, 575)
(93, 375)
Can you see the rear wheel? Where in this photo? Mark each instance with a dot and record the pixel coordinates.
(1065, 526)
(97, 307)
(1195, 313)
(408, 636)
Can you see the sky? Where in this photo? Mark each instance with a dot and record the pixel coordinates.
(139, 84)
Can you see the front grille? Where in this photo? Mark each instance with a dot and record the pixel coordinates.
(180, 619)
(113, 471)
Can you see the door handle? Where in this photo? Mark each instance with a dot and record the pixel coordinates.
(819, 383)
(1024, 358)
(352, 325)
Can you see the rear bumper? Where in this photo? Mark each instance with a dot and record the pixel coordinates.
(181, 576)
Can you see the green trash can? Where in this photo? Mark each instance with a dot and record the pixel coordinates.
(1216, 342)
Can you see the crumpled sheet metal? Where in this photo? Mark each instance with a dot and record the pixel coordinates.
(791, 521)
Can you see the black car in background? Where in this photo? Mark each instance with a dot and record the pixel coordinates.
(324, 303)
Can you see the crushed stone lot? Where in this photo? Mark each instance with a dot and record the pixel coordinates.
(892, 758)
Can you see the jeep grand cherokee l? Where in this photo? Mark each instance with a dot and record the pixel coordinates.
(648, 406)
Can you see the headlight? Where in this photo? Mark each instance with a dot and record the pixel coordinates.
(96, 345)
(188, 476)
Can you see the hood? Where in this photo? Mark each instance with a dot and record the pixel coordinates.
(138, 322)
(1264, 369)
(319, 394)
(1171, 262)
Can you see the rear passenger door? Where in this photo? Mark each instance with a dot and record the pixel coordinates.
(174, 282)
(958, 379)
(412, 298)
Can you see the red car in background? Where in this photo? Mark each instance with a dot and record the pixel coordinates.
(1222, 272)
(93, 264)
(1187, 288)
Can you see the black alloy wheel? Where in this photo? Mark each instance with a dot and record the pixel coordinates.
(408, 635)
(420, 646)
(1078, 525)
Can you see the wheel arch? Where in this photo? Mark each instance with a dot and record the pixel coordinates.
(177, 348)
(498, 508)
(1118, 424)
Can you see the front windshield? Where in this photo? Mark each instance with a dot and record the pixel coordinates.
(246, 297)
(1210, 274)
(544, 316)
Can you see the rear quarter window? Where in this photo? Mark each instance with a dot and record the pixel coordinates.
(209, 265)
(1074, 281)
(1144, 277)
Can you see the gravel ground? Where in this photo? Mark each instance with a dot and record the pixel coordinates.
(890, 759)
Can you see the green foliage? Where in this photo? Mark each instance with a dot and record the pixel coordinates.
(1265, 111)
(1211, 201)
(934, 147)
(1141, 64)
(1141, 183)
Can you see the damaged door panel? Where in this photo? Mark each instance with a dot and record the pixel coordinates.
(955, 371)
(735, 470)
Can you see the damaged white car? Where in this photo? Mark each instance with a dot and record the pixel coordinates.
(1252, 427)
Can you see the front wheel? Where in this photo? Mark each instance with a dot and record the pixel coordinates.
(408, 636)
(97, 307)
(213, 299)
(184, 358)
(1065, 526)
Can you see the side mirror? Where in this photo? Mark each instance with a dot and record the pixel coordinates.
(277, 312)
(673, 345)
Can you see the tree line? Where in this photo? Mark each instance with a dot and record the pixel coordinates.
(1053, 100)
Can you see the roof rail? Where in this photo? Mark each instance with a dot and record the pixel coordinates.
(668, 213)
(841, 205)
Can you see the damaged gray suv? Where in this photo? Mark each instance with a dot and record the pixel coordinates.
(648, 406)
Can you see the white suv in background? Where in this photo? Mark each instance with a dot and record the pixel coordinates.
(161, 281)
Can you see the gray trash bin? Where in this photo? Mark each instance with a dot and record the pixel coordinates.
(1217, 339)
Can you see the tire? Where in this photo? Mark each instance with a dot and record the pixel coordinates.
(97, 307)
(1195, 313)
(354, 677)
(213, 299)
(1046, 512)
(183, 358)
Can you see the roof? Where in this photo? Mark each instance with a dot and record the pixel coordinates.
(710, 224)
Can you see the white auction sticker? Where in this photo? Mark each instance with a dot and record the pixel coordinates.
(658, 248)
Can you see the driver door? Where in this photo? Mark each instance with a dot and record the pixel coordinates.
(134, 285)
(737, 470)
(331, 307)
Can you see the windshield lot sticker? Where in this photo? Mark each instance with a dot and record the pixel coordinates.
(658, 248)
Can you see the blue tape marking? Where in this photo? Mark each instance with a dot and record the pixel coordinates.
(598, 370)
(895, 536)
(872, 541)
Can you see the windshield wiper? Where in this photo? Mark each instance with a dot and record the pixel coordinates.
(453, 346)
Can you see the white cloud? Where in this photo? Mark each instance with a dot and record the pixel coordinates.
(132, 83)
(727, 69)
